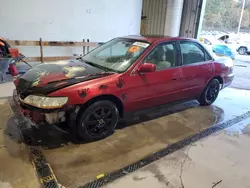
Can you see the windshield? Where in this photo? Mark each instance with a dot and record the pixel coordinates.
(116, 55)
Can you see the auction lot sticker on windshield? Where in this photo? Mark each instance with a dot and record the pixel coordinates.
(141, 44)
(134, 49)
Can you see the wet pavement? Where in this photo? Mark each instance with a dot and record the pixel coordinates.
(242, 76)
(142, 134)
(16, 170)
(220, 160)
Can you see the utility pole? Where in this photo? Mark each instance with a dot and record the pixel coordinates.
(241, 14)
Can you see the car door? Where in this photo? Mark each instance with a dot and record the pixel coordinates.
(197, 68)
(164, 84)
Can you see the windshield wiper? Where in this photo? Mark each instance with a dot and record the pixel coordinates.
(99, 66)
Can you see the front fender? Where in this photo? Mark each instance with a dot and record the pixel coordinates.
(83, 92)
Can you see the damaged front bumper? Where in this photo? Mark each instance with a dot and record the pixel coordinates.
(38, 115)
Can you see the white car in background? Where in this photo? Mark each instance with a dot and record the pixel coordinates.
(239, 43)
(243, 48)
(217, 47)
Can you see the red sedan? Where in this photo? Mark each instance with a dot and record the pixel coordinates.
(125, 74)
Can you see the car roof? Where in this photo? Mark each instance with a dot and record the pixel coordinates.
(156, 38)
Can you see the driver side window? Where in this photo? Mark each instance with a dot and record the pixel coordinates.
(164, 56)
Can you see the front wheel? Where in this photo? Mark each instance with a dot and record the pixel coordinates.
(242, 50)
(210, 93)
(98, 120)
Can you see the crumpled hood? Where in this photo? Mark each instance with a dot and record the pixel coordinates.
(48, 77)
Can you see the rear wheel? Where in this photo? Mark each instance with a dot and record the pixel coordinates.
(210, 93)
(242, 50)
(98, 120)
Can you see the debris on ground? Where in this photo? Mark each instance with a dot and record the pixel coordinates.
(216, 183)
(2, 146)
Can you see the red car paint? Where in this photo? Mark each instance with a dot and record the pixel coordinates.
(137, 91)
(153, 88)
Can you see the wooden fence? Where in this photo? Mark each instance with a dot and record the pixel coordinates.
(84, 44)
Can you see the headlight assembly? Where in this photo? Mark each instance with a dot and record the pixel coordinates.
(45, 102)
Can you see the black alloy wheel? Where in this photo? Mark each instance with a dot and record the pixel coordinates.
(210, 93)
(98, 121)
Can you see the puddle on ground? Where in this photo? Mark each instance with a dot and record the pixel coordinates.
(153, 121)
(139, 135)
(10, 139)
(15, 167)
(242, 128)
(142, 134)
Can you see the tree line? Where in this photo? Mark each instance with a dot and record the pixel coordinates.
(224, 15)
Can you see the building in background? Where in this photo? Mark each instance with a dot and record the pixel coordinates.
(96, 20)
(172, 17)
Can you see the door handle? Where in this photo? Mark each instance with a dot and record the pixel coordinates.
(175, 78)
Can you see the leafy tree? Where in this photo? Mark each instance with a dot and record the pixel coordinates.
(225, 14)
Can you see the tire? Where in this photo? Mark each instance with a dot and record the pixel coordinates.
(242, 50)
(98, 120)
(210, 93)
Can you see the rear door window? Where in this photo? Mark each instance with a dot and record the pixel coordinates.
(192, 53)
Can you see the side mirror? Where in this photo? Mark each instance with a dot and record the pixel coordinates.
(147, 67)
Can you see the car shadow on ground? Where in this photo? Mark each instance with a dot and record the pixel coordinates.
(50, 137)
(155, 112)
(45, 136)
